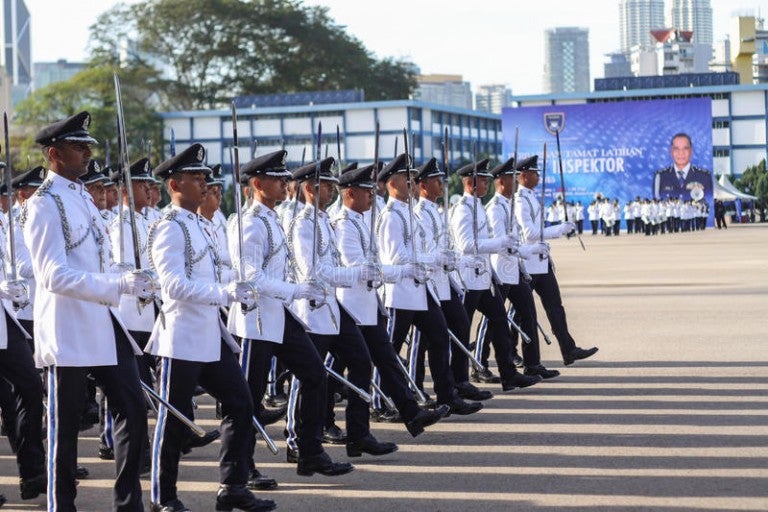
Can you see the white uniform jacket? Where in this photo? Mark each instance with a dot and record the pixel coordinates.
(353, 236)
(7, 305)
(505, 265)
(188, 269)
(324, 319)
(129, 312)
(393, 232)
(70, 250)
(435, 233)
(266, 262)
(222, 238)
(23, 265)
(528, 214)
(462, 230)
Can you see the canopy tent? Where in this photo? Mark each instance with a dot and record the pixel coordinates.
(725, 191)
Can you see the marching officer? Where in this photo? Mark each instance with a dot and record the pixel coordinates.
(361, 300)
(267, 263)
(332, 327)
(430, 182)
(408, 301)
(469, 228)
(23, 405)
(75, 298)
(528, 213)
(192, 344)
(508, 268)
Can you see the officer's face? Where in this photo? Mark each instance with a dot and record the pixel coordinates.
(192, 187)
(482, 185)
(529, 179)
(433, 187)
(111, 196)
(99, 194)
(71, 158)
(681, 152)
(272, 188)
(140, 194)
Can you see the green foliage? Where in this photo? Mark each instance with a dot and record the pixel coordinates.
(213, 50)
(754, 181)
(93, 90)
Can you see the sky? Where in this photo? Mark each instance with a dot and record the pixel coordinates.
(485, 41)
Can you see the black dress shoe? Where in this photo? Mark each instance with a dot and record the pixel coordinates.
(259, 482)
(322, 464)
(270, 416)
(468, 391)
(2, 500)
(334, 435)
(81, 472)
(385, 416)
(519, 380)
(541, 372)
(238, 497)
(278, 400)
(462, 408)
(292, 455)
(578, 353)
(196, 441)
(106, 453)
(425, 418)
(369, 445)
(33, 487)
(169, 506)
(485, 376)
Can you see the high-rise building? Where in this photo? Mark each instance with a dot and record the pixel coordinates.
(17, 57)
(47, 73)
(449, 90)
(692, 15)
(636, 20)
(493, 98)
(566, 59)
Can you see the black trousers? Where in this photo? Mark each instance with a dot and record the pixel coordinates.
(521, 297)
(224, 381)
(594, 226)
(393, 382)
(491, 305)
(349, 347)
(546, 287)
(434, 335)
(300, 356)
(66, 395)
(23, 399)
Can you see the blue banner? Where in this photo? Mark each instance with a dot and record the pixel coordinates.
(618, 150)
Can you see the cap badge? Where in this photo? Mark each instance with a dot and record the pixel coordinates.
(200, 154)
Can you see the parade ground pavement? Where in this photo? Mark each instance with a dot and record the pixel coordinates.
(670, 415)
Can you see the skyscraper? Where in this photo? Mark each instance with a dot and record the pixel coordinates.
(493, 98)
(636, 20)
(566, 59)
(695, 15)
(17, 58)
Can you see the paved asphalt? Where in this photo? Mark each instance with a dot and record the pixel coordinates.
(670, 415)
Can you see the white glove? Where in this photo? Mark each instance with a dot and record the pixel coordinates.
(370, 272)
(309, 291)
(567, 228)
(16, 291)
(526, 251)
(448, 260)
(415, 271)
(138, 284)
(509, 242)
(242, 292)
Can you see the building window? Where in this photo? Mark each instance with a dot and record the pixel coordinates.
(721, 152)
(721, 124)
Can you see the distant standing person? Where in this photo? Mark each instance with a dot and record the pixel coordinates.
(720, 214)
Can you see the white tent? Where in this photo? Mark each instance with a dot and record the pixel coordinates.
(725, 191)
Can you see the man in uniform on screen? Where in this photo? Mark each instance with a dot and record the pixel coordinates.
(681, 179)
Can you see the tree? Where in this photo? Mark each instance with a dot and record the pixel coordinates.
(214, 50)
(93, 90)
(754, 181)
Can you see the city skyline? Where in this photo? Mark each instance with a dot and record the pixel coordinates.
(481, 42)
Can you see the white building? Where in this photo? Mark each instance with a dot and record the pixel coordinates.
(449, 90)
(636, 20)
(493, 98)
(295, 129)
